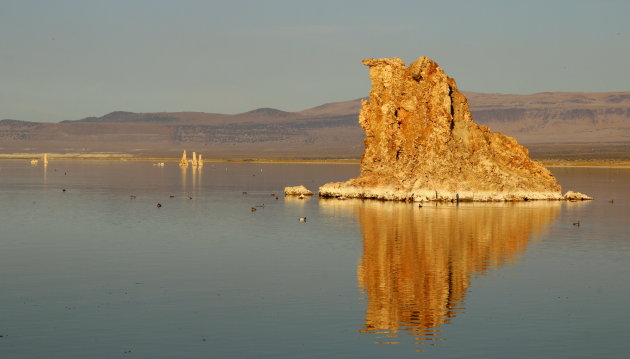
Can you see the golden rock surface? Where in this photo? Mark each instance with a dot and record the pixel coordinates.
(421, 144)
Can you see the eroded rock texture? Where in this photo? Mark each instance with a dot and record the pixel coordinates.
(422, 144)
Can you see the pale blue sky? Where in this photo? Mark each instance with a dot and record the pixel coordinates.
(69, 59)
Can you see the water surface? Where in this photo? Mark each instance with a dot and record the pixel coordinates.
(90, 272)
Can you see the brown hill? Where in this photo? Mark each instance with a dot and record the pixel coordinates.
(552, 117)
(567, 120)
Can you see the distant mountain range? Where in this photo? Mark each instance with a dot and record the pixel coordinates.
(564, 122)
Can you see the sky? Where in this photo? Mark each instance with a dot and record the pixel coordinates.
(70, 59)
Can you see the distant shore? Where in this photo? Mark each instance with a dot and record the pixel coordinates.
(107, 156)
(585, 163)
(152, 158)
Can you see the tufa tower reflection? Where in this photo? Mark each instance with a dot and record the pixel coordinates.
(418, 263)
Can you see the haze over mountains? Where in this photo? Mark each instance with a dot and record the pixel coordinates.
(551, 121)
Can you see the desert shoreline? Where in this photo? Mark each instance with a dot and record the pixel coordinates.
(99, 156)
(141, 158)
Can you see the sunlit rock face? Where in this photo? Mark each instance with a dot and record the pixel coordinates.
(419, 263)
(421, 144)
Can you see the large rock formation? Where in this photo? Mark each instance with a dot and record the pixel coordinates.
(422, 144)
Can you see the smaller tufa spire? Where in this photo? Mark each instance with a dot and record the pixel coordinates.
(184, 161)
(194, 160)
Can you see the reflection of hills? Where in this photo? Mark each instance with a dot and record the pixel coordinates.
(417, 262)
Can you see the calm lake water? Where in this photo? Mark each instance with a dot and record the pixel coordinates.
(92, 273)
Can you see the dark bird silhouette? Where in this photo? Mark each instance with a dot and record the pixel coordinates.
(577, 223)
(253, 209)
(159, 205)
(419, 205)
(63, 190)
(612, 201)
(133, 196)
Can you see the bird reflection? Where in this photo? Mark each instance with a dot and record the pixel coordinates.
(418, 262)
